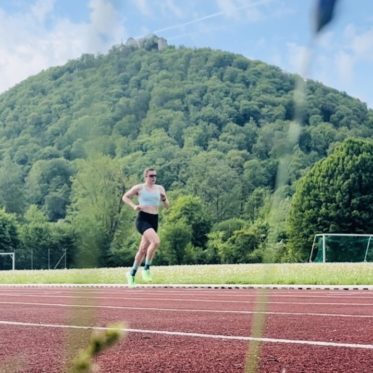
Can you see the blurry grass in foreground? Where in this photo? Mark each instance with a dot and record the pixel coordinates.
(245, 274)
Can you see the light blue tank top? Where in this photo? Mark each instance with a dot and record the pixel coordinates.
(149, 198)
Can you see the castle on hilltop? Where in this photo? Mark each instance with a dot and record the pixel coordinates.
(148, 42)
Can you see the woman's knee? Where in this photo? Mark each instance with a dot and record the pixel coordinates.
(142, 250)
(156, 241)
(153, 238)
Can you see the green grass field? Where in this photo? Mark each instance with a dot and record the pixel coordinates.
(238, 274)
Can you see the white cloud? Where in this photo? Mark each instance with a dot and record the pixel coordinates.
(105, 25)
(362, 45)
(238, 9)
(229, 8)
(345, 66)
(320, 70)
(41, 9)
(349, 31)
(104, 18)
(298, 59)
(169, 7)
(326, 39)
(31, 47)
(276, 59)
(143, 6)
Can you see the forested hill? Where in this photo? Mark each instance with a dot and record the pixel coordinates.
(212, 122)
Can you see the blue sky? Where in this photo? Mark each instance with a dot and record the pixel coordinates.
(37, 34)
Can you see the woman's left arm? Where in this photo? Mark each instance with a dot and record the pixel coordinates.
(164, 199)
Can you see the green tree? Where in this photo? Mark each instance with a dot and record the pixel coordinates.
(9, 239)
(218, 185)
(228, 227)
(48, 186)
(241, 245)
(45, 244)
(63, 242)
(214, 125)
(36, 237)
(191, 210)
(335, 196)
(259, 173)
(175, 239)
(96, 205)
(12, 190)
(125, 240)
(318, 138)
(256, 205)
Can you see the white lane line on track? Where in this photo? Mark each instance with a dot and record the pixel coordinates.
(254, 301)
(202, 286)
(186, 292)
(198, 335)
(145, 292)
(183, 290)
(187, 310)
(304, 295)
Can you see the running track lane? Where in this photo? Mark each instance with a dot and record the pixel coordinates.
(188, 330)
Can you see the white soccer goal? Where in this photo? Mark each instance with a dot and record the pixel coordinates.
(13, 257)
(342, 247)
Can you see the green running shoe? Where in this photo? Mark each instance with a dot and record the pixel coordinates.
(130, 280)
(146, 275)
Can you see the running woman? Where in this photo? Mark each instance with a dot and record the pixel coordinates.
(150, 197)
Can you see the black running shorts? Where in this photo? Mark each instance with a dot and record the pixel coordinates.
(145, 221)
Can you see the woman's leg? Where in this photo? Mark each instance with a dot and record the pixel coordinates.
(140, 255)
(152, 238)
(141, 252)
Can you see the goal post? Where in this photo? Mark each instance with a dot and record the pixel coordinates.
(13, 258)
(342, 247)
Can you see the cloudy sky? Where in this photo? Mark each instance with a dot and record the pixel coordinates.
(37, 34)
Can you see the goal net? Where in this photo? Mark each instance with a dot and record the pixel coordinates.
(12, 258)
(342, 247)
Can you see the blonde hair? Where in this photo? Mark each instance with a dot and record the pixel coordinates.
(147, 170)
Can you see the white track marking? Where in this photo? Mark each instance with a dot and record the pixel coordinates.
(133, 298)
(244, 293)
(197, 335)
(201, 286)
(200, 290)
(293, 294)
(187, 310)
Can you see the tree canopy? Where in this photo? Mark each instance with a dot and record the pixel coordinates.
(335, 196)
(213, 123)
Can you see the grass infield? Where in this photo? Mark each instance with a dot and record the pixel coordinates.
(237, 274)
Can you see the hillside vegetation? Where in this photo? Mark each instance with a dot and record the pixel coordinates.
(214, 124)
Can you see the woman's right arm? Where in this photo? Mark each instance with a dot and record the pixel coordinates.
(130, 193)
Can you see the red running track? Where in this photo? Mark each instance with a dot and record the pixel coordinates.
(188, 330)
